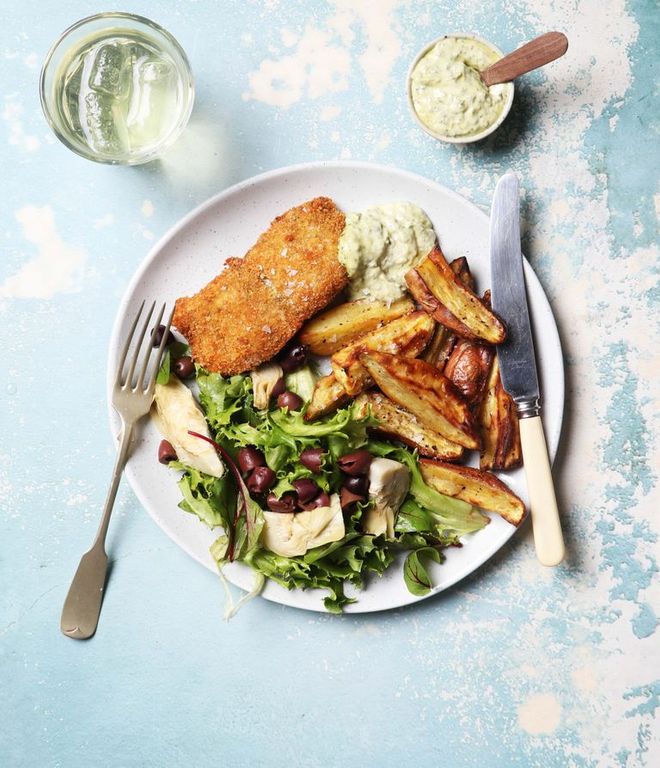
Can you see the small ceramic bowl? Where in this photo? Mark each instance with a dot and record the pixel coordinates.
(458, 139)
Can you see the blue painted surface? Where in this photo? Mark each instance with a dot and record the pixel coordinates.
(514, 667)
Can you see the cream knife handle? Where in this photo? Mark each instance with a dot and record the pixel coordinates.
(548, 538)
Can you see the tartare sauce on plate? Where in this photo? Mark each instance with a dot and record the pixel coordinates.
(380, 244)
(448, 93)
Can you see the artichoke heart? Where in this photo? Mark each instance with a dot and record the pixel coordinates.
(175, 412)
(293, 533)
(389, 482)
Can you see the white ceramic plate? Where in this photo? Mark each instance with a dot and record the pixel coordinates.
(193, 252)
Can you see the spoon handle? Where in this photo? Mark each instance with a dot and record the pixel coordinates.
(532, 55)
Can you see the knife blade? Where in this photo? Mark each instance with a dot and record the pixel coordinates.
(517, 363)
(509, 298)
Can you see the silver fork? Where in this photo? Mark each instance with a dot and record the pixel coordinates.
(132, 400)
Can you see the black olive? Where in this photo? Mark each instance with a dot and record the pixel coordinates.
(358, 485)
(322, 500)
(290, 400)
(346, 497)
(166, 452)
(158, 336)
(356, 463)
(279, 387)
(292, 357)
(306, 489)
(183, 367)
(260, 479)
(312, 458)
(249, 458)
(286, 502)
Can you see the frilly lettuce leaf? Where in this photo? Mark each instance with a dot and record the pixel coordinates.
(222, 398)
(434, 512)
(426, 522)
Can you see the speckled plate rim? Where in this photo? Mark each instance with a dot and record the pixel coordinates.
(241, 576)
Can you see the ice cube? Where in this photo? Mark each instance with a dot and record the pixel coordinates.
(103, 123)
(105, 74)
(152, 94)
(71, 96)
(152, 70)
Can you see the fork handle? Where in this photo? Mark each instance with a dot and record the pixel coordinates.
(80, 614)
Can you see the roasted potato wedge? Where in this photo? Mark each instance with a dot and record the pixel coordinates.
(440, 347)
(462, 303)
(407, 336)
(428, 302)
(498, 425)
(468, 369)
(333, 329)
(482, 489)
(398, 423)
(421, 389)
(461, 269)
(327, 397)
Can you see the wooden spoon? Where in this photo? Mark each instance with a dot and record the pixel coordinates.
(542, 50)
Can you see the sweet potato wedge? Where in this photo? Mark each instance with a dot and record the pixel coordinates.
(462, 303)
(333, 329)
(498, 425)
(407, 336)
(468, 368)
(482, 489)
(398, 423)
(421, 389)
(328, 395)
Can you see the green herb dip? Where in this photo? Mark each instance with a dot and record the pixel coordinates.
(380, 244)
(447, 92)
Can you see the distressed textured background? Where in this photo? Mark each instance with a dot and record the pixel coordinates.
(517, 666)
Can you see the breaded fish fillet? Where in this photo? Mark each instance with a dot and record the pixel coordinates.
(246, 314)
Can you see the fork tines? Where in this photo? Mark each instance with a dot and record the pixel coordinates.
(128, 381)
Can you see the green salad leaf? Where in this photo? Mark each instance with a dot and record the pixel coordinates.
(212, 499)
(222, 398)
(426, 522)
(414, 572)
(172, 351)
(328, 567)
(434, 511)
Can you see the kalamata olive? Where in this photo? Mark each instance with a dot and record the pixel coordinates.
(260, 479)
(292, 357)
(290, 400)
(183, 367)
(312, 458)
(279, 387)
(286, 502)
(359, 485)
(346, 497)
(306, 489)
(322, 500)
(249, 458)
(166, 452)
(356, 463)
(158, 336)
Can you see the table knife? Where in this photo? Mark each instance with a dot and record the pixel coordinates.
(518, 366)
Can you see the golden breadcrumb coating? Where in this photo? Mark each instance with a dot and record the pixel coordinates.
(246, 314)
